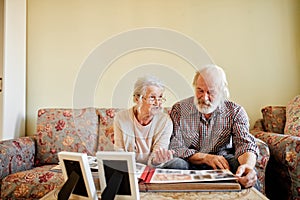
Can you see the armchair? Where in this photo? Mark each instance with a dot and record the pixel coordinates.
(283, 168)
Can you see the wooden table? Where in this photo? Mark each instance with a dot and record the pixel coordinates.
(245, 194)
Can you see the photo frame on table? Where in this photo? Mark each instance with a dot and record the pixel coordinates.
(117, 175)
(75, 167)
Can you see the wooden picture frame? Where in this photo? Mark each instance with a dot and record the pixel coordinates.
(111, 163)
(78, 162)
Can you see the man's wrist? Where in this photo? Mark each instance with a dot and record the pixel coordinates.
(197, 158)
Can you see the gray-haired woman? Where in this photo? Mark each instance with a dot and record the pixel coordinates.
(144, 128)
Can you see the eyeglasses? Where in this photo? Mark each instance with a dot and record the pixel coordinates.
(153, 99)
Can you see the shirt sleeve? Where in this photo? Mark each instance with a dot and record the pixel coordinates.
(242, 139)
(162, 137)
(177, 139)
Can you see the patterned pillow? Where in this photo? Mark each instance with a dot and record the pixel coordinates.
(292, 126)
(74, 130)
(106, 128)
(274, 118)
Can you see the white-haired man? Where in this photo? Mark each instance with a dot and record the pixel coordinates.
(212, 132)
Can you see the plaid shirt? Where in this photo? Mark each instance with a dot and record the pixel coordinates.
(226, 131)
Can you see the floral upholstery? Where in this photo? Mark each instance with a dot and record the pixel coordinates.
(283, 170)
(261, 164)
(26, 162)
(106, 129)
(274, 118)
(42, 180)
(292, 126)
(16, 155)
(74, 130)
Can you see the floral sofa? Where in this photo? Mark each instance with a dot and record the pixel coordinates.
(280, 129)
(26, 162)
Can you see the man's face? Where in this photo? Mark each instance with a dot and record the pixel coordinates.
(207, 97)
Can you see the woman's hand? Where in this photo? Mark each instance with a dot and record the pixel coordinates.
(162, 155)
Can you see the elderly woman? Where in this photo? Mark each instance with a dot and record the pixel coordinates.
(144, 128)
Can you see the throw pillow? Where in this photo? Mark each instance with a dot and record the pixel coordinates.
(274, 118)
(106, 128)
(292, 126)
(74, 130)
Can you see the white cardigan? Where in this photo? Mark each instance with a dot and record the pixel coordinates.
(161, 128)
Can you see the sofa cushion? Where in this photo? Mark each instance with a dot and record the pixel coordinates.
(274, 118)
(106, 128)
(74, 130)
(31, 184)
(292, 126)
(16, 155)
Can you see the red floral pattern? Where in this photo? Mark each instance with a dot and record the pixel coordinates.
(106, 131)
(31, 184)
(274, 118)
(292, 126)
(74, 130)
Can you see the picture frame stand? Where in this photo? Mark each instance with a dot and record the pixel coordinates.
(112, 186)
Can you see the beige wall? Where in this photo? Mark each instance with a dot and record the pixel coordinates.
(256, 42)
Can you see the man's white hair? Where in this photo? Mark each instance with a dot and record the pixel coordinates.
(214, 76)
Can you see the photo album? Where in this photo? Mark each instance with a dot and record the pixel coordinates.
(155, 179)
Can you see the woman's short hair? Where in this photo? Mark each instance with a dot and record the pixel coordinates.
(142, 83)
(215, 74)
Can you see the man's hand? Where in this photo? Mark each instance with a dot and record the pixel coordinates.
(215, 161)
(162, 155)
(246, 176)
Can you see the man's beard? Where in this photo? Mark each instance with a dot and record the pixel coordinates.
(206, 106)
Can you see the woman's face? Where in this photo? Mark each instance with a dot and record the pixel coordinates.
(152, 101)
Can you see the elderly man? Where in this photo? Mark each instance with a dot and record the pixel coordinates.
(212, 132)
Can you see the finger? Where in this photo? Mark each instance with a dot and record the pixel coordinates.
(240, 171)
(170, 154)
(167, 155)
(245, 182)
(222, 163)
(213, 165)
(159, 154)
(249, 179)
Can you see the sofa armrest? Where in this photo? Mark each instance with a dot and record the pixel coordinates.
(16, 155)
(285, 149)
(261, 163)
